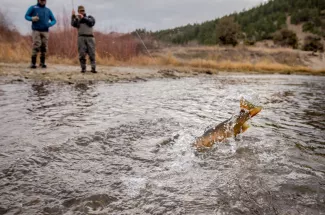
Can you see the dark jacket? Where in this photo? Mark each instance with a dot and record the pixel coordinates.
(46, 18)
(84, 25)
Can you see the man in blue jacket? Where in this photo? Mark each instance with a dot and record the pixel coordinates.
(42, 19)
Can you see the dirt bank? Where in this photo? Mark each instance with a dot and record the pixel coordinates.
(245, 54)
(71, 74)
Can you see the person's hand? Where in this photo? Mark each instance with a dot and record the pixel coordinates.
(35, 18)
(73, 13)
(81, 16)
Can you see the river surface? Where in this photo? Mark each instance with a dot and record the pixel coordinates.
(126, 148)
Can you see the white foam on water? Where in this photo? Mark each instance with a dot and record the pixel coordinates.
(133, 185)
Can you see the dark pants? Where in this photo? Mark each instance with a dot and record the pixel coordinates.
(87, 45)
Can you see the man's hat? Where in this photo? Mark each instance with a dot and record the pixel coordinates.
(81, 8)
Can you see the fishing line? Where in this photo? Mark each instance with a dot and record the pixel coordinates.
(143, 44)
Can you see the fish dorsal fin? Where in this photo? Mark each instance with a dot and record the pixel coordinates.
(244, 104)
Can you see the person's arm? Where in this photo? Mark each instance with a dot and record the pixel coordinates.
(74, 21)
(52, 18)
(29, 13)
(90, 21)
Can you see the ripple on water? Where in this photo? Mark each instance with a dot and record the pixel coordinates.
(127, 148)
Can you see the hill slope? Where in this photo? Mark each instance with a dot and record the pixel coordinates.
(257, 24)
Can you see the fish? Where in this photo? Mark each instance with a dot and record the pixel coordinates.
(230, 128)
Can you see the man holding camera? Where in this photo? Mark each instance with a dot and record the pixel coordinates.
(86, 40)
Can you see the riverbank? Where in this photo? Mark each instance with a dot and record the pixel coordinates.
(71, 74)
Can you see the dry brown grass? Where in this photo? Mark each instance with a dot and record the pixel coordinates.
(14, 52)
(20, 52)
(203, 65)
(125, 50)
(263, 66)
(15, 47)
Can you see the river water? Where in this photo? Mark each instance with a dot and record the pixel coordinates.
(125, 148)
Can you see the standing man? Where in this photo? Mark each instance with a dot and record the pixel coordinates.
(42, 19)
(86, 40)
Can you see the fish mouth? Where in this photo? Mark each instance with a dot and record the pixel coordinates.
(254, 111)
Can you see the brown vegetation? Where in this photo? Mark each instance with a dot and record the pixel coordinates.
(63, 44)
(313, 43)
(286, 38)
(227, 31)
(127, 49)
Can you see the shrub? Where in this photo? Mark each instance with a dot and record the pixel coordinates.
(248, 42)
(313, 43)
(63, 41)
(227, 31)
(286, 37)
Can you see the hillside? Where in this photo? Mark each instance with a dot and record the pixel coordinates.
(258, 23)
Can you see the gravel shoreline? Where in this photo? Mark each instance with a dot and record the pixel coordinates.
(71, 74)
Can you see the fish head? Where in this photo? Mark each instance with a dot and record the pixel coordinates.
(247, 111)
(244, 116)
(253, 109)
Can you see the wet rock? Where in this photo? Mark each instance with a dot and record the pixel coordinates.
(208, 72)
(52, 210)
(86, 171)
(83, 141)
(3, 211)
(16, 80)
(244, 151)
(70, 82)
(140, 79)
(169, 73)
(106, 199)
(70, 202)
(32, 202)
(99, 136)
(81, 86)
(92, 203)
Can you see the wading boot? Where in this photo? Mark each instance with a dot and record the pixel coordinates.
(93, 70)
(33, 63)
(42, 64)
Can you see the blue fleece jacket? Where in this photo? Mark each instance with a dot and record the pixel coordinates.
(46, 18)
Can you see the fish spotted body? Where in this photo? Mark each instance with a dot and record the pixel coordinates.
(229, 128)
